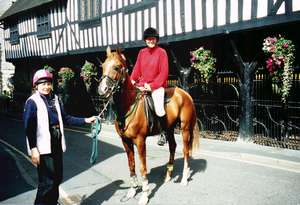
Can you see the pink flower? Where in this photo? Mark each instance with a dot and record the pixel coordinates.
(270, 66)
(285, 45)
(272, 49)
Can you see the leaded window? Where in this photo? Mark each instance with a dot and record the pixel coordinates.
(89, 9)
(14, 34)
(43, 26)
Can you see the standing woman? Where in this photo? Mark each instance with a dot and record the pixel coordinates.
(44, 119)
(150, 73)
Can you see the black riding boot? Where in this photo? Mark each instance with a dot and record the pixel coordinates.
(162, 140)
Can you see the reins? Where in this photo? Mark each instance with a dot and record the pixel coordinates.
(132, 110)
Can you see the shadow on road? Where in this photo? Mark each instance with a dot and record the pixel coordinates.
(77, 156)
(103, 194)
(12, 181)
(155, 176)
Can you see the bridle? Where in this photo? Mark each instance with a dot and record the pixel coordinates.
(113, 86)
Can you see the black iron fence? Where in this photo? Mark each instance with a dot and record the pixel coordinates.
(274, 123)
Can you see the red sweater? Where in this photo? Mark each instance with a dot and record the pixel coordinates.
(151, 67)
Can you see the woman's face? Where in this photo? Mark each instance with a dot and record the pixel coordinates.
(151, 42)
(44, 88)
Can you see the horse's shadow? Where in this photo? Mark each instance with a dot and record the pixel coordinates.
(155, 176)
(102, 194)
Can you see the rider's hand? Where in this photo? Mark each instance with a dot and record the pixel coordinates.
(35, 156)
(147, 87)
(142, 89)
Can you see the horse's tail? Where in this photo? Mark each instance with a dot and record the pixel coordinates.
(195, 139)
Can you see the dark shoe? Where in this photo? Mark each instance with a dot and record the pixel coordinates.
(162, 140)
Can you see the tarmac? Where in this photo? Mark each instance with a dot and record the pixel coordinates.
(246, 152)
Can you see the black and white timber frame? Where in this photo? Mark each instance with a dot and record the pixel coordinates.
(120, 23)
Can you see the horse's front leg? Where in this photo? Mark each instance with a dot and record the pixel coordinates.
(141, 147)
(129, 148)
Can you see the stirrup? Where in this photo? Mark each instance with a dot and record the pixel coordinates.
(162, 140)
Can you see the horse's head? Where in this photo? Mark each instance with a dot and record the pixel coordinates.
(113, 73)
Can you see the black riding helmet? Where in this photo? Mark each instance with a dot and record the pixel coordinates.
(151, 32)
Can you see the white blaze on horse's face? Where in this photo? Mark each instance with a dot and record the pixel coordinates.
(103, 86)
(102, 89)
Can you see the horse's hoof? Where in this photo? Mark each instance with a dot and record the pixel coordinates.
(144, 198)
(167, 178)
(131, 193)
(184, 182)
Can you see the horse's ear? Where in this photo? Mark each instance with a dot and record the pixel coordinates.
(123, 56)
(118, 50)
(108, 51)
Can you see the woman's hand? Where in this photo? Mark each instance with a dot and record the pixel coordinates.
(35, 156)
(90, 119)
(147, 87)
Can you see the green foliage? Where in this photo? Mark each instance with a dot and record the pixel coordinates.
(66, 74)
(88, 72)
(203, 61)
(49, 68)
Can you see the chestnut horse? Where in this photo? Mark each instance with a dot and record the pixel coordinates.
(129, 108)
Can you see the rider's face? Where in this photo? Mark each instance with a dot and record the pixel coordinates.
(151, 42)
(44, 88)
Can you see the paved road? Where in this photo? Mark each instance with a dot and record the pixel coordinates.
(222, 172)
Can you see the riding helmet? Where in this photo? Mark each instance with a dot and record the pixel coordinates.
(42, 76)
(151, 32)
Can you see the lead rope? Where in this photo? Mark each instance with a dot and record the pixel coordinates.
(96, 127)
(95, 131)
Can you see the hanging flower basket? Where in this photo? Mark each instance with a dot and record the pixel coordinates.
(88, 71)
(279, 64)
(88, 74)
(66, 76)
(203, 61)
(65, 82)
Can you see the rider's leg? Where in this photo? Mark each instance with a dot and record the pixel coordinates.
(158, 100)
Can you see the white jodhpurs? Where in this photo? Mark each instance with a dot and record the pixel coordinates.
(158, 100)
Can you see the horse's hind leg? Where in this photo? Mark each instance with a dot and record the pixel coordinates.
(172, 148)
(186, 134)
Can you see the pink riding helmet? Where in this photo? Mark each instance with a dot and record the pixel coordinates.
(40, 76)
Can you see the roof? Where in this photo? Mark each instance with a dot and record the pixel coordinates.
(23, 5)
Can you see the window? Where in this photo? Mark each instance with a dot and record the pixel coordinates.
(14, 34)
(43, 26)
(89, 9)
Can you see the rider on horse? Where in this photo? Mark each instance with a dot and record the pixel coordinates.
(150, 74)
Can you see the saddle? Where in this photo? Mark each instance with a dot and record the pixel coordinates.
(153, 120)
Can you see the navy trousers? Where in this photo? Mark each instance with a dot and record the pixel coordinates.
(50, 172)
